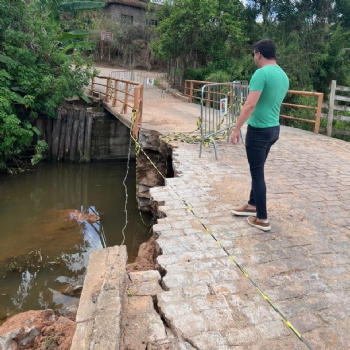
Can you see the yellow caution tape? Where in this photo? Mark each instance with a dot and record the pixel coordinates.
(287, 323)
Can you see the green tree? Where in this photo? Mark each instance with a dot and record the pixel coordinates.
(35, 75)
(193, 33)
(311, 36)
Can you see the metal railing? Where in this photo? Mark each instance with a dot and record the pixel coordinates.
(220, 106)
(125, 92)
(193, 92)
(150, 80)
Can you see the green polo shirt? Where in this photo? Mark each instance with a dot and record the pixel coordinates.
(273, 83)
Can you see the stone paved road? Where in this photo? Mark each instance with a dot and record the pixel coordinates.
(302, 264)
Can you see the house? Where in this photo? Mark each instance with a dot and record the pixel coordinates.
(132, 12)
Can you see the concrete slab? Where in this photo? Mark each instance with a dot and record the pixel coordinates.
(141, 323)
(100, 307)
(144, 283)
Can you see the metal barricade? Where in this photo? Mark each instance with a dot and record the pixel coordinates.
(150, 80)
(123, 75)
(220, 107)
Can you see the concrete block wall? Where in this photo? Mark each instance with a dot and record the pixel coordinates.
(100, 307)
(110, 139)
(114, 11)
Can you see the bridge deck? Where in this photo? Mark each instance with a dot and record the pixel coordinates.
(301, 265)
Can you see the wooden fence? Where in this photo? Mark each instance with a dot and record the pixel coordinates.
(68, 136)
(193, 90)
(125, 92)
(317, 109)
(335, 109)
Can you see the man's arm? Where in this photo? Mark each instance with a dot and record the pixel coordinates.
(247, 110)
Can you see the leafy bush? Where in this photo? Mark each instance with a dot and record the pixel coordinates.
(35, 75)
(197, 74)
(218, 77)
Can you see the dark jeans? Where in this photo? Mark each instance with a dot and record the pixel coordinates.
(258, 143)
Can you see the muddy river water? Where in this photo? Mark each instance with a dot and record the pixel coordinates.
(36, 221)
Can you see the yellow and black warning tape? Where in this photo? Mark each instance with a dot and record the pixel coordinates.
(192, 137)
(137, 151)
(189, 207)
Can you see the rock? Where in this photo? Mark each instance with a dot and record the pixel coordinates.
(71, 310)
(73, 290)
(83, 216)
(7, 340)
(32, 330)
(62, 300)
(21, 330)
(144, 283)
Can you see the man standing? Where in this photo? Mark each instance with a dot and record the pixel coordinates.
(267, 89)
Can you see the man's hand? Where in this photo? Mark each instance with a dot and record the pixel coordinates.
(235, 137)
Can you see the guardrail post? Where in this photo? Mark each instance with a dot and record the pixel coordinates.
(114, 103)
(136, 97)
(318, 113)
(107, 88)
(331, 108)
(191, 91)
(125, 103)
(141, 86)
(138, 108)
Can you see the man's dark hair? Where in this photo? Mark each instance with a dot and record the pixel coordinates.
(267, 48)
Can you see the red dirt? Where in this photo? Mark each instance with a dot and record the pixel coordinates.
(53, 333)
(146, 257)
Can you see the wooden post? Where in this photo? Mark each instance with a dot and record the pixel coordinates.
(141, 102)
(68, 133)
(88, 133)
(62, 139)
(135, 130)
(48, 127)
(56, 134)
(318, 113)
(73, 146)
(81, 130)
(41, 128)
(136, 97)
(107, 89)
(191, 91)
(114, 102)
(125, 103)
(140, 111)
(331, 108)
